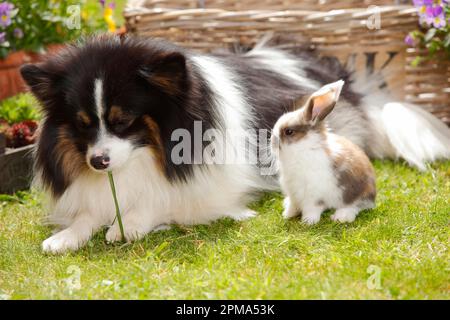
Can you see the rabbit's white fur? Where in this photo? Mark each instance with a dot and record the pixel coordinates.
(309, 182)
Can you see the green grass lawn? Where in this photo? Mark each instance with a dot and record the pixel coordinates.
(397, 251)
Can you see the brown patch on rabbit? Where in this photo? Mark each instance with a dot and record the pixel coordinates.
(354, 172)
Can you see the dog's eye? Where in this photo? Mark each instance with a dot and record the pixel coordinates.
(83, 123)
(288, 132)
(121, 125)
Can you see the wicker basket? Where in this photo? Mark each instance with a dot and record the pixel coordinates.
(368, 38)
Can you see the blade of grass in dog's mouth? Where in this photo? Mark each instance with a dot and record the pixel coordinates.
(116, 204)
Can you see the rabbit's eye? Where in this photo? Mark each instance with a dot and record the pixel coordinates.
(288, 132)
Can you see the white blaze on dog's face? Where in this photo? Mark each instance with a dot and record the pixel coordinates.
(109, 152)
(295, 126)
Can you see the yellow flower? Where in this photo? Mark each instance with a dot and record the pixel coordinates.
(108, 15)
(112, 27)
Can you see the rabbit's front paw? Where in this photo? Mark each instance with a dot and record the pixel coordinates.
(311, 219)
(311, 214)
(290, 210)
(345, 215)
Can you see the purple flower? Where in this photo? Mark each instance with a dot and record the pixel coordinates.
(5, 13)
(102, 2)
(409, 40)
(112, 5)
(422, 3)
(422, 6)
(435, 16)
(18, 33)
(2, 37)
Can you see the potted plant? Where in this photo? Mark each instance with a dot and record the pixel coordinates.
(2, 143)
(31, 29)
(28, 31)
(18, 125)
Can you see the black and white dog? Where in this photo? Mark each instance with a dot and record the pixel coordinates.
(126, 105)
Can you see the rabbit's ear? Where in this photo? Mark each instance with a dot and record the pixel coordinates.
(322, 102)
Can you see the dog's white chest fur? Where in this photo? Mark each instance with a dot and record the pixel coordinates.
(143, 189)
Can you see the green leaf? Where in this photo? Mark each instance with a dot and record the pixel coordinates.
(430, 34)
(416, 34)
(416, 61)
(447, 41)
(13, 12)
(19, 108)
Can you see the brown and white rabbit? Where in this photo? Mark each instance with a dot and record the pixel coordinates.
(320, 170)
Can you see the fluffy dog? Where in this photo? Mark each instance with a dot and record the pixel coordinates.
(125, 105)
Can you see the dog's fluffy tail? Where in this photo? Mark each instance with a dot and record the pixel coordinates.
(403, 130)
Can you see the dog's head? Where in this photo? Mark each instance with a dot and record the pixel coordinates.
(104, 100)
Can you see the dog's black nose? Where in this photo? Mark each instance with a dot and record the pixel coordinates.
(100, 162)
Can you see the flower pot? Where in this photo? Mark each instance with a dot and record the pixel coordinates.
(2, 143)
(16, 167)
(11, 82)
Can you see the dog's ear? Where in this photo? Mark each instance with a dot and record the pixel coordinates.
(322, 102)
(166, 71)
(39, 80)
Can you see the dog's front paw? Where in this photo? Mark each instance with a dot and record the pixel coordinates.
(63, 241)
(132, 231)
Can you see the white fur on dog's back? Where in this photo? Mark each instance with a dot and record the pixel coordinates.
(283, 63)
(236, 117)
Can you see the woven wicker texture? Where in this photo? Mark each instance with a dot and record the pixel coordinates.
(313, 5)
